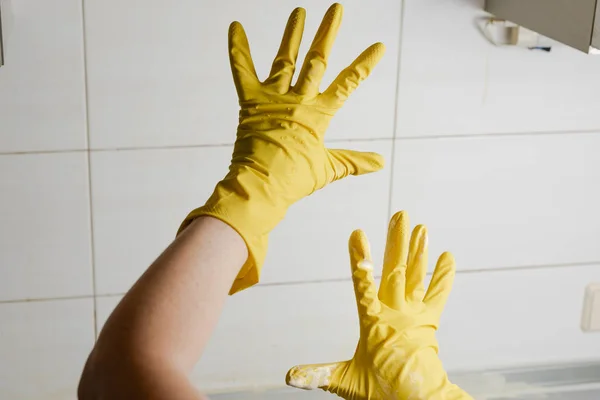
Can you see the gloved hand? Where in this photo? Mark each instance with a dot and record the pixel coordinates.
(397, 354)
(279, 155)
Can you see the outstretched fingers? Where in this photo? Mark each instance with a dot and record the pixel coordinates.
(365, 288)
(284, 64)
(242, 66)
(315, 62)
(393, 279)
(417, 264)
(348, 80)
(441, 283)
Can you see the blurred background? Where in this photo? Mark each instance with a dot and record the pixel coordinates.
(118, 117)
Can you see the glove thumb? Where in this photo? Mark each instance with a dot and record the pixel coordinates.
(312, 376)
(351, 162)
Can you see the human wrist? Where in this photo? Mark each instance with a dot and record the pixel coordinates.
(243, 201)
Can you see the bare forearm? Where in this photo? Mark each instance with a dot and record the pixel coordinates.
(134, 381)
(158, 331)
(155, 336)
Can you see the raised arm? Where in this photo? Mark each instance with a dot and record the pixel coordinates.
(158, 332)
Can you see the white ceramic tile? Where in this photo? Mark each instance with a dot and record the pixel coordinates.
(265, 331)
(42, 101)
(500, 319)
(44, 226)
(311, 243)
(504, 201)
(44, 347)
(160, 75)
(141, 196)
(453, 81)
(514, 318)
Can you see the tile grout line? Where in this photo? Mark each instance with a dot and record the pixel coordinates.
(458, 272)
(169, 147)
(89, 166)
(498, 134)
(61, 298)
(393, 138)
(395, 123)
(333, 280)
(44, 299)
(34, 152)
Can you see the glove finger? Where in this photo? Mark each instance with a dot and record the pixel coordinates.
(315, 62)
(349, 79)
(441, 283)
(362, 275)
(242, 66)
(313, 376)
(393, 278)
(351, 162)
(417, 264)
(284, 64)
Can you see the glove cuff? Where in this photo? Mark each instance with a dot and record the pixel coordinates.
(251, 213)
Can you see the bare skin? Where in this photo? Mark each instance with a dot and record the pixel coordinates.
(159, 330)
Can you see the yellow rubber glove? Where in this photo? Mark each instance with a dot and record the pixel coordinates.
(279, 155)
(397, 354)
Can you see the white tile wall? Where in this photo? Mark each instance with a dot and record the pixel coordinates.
(169, 64)
(508, 201)
(494, 319)
(42, 82)
(144, 194)
(45, 226)
(514, 318)
(485, 157)
(453, 82)
(139, 199)
(43, 348)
